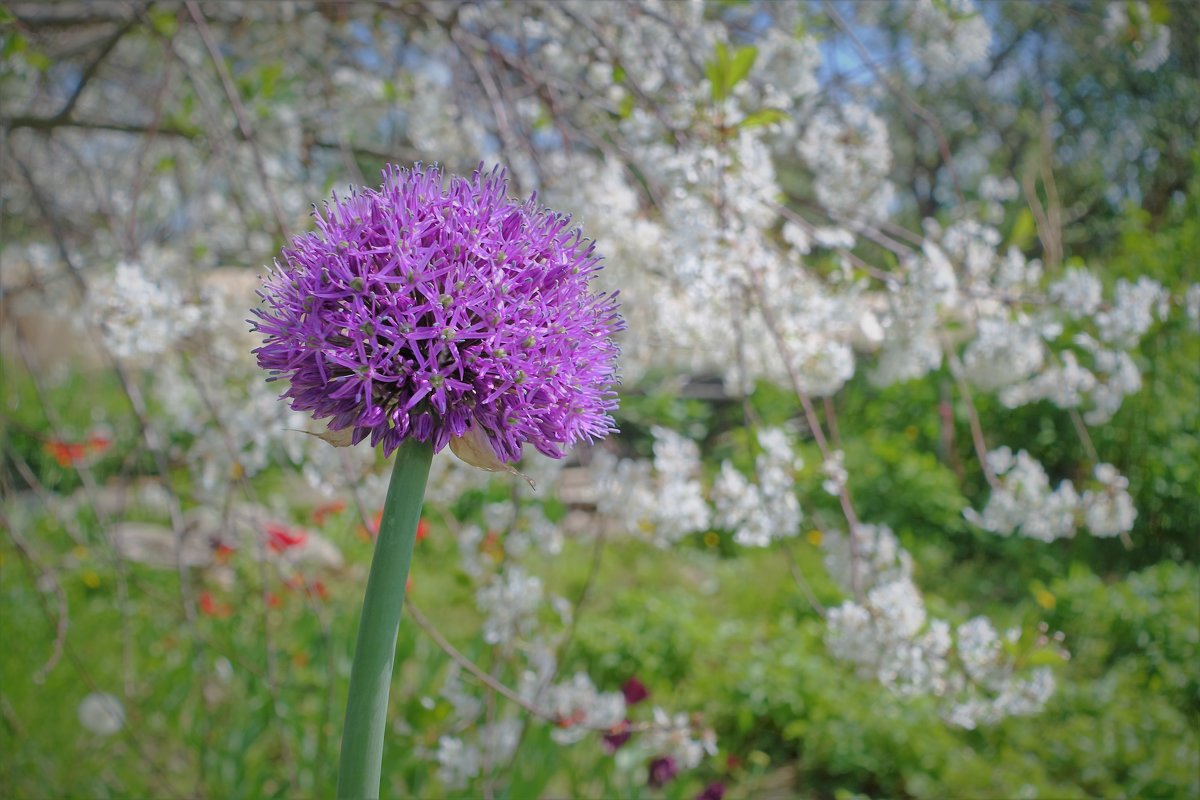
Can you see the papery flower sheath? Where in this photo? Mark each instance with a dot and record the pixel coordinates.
(434, 312)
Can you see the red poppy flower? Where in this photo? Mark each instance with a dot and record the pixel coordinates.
(281, 538)
(211, 608)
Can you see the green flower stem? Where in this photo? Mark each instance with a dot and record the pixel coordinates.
(375, 653)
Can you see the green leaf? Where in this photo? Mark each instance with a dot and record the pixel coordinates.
(165, 22)
(726, 71)
(626, 107)
(13, 43)
(1043, 658)
(743, 60)
(39, 61)
(1160, 12)
(269, 76)
(764, 116)
(717, 72)
(1024, 230)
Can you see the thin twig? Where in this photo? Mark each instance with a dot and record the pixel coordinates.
(981, 450)
(1085, 438)
(239, 111)
(814, 424)
(63, 621)
(802, 582)
(155, 121)
(465, 663)
(90, 70)
(925, 114)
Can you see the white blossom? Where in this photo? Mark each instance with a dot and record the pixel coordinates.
(661, 500)
(1024, 501)
(458, 762)
(1078, 292)
(849, 152)
(876, 558)
(1191, 305)
(1150, 41)
(674, 736)
(952, 36)
(101, 713)
(1003, 352)
(1109, 511)
(138, 316)
(761, 512)
(834, 470)
(883, 638)
(579, 707)
(511, 601)
(1132, 311)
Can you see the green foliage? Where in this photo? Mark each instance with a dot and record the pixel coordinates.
(765, 116)
(728, 68)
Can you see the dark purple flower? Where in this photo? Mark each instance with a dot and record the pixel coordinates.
(635, 691)
(426, 311)
(617, 738)
(714, 791)
(662, 771)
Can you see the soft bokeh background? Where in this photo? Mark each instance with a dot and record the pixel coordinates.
(859, 247)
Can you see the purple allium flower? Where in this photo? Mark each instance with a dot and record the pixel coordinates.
(714, 791)
(634, 691)
(662, 771)
(425, 311)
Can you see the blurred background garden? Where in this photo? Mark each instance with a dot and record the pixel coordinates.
(906, 494)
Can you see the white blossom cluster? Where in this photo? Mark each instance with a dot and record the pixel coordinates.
(889, 637)
(579, 706)
(1191, 304)
(663, 500)
(511, 601)
(1149, 41)
(1108, 510)
(672, 736)
(953, 36)
(886, 638)
(847, 148)
(1003, 352)
(834, 470)
(1031, 357)
(993, 689)
(701, 268)
(759, 512)
(874, 558)
(1132, 312)
(139, 316)
(460, 761)
(1024, 503)
(912, 317)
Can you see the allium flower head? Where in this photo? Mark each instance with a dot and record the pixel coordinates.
(430, 311)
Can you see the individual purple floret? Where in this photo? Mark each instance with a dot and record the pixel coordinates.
(425, 311)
